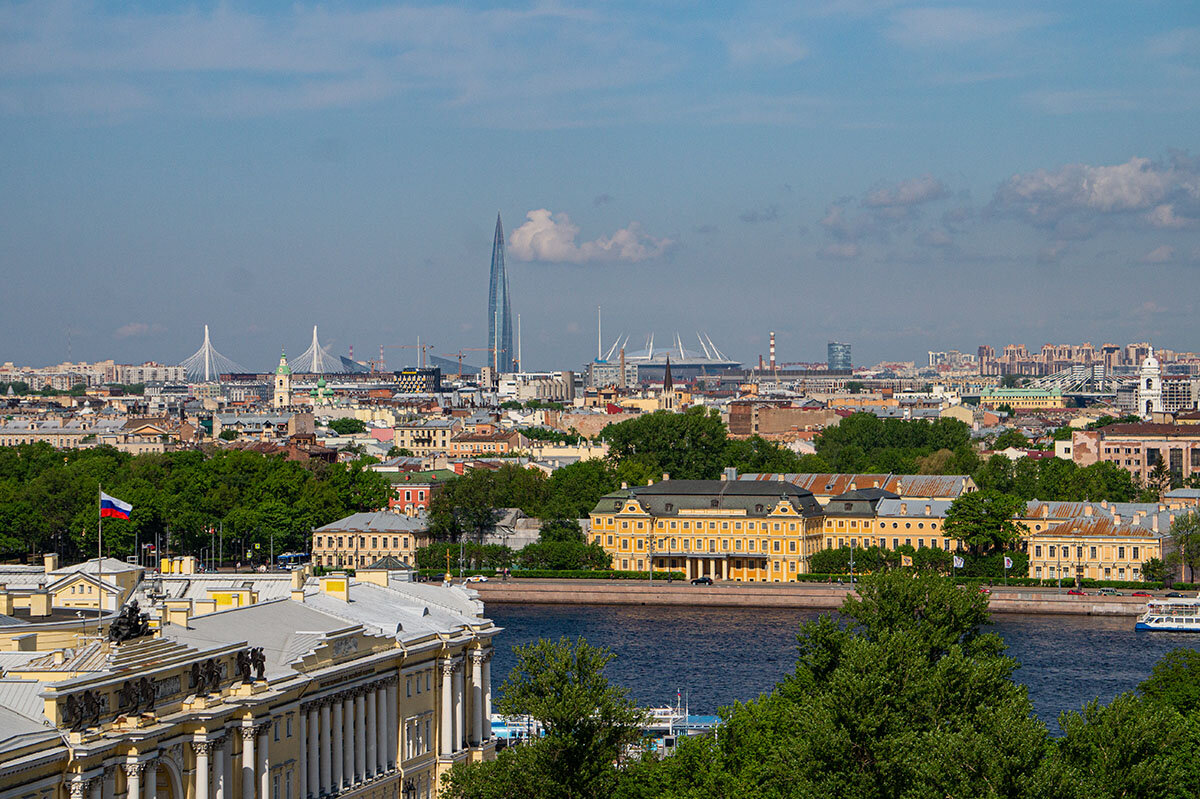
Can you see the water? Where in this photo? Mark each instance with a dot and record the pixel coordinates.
(717, 656)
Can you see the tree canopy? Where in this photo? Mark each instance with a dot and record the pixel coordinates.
(984, 521)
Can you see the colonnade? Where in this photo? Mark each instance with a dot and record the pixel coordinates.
(348, 738)
(462, 726)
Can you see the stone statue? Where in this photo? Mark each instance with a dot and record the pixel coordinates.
(259, 661)
(130, 624)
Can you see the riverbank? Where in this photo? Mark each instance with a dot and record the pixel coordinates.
(808, 596)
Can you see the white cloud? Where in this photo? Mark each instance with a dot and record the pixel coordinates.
(1164, 216)
(1044, 197)
(922, 27)
(135, 329)
(547, 236)
(842, 250)
(907, 193)
(1159, 255)
(765, 47)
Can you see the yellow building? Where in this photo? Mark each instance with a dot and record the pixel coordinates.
(1022, 398)
(760, 531)
(1091, 548)
(359, 688)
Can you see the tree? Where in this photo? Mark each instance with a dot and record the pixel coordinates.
(1154, 571)
(228, 434)
(347, 426)
(588, 722)
(399, 452)
(908, 698)
(1005, 408)
(1185, 536)
(983, 520)
(1175, 681)
(688, 446)
(1010, 438)
(573, 490)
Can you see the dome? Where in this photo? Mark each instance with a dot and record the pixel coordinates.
(320, 382)
(1151, 363)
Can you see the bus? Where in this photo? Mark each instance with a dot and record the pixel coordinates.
(292, 560)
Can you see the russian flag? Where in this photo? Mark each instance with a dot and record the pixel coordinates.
(111, 506)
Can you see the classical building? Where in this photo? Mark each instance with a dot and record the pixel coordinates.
(427, 436)
(760, 531)
(1149, 387)
(363, 538)
(354, 687)
(1022, 398)
(1138, 448)
(914, 486)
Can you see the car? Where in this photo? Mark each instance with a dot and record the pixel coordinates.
(1142, 593)
(1106, 591)
(983, 589)
(477, 578)
(702, 581)
(1174, 594)
(1077, 592)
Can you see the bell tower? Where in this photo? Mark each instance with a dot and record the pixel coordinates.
(283, 384)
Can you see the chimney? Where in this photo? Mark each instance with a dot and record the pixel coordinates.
(39, 603)
(1087, 510)
(1154, 523)
(6, 602)
(928, 510)
(666, 477)
(624, 484)
(730, 474)
(1104, 503)
(178, 611)
(336, 585)
(903, 508)
(50, 562)
(772, 350)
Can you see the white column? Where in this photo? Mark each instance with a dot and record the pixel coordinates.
(381, 729)
(372, 732)
(393, 724)
(302, 768)
(326, 766)
(487, 697)
(248, 762)
(221, 787)
(360, 737)
(339, 757)
(446, 733)
(264, 761)
(460, 731)
(201, 749)
(150, 780)
(348, 739)
(133, 780)
(476, 697)
(314, 755)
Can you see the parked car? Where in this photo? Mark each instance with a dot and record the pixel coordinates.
(702, 581)
(1175, 594)
(1107, 591)
(1142, 593)
(983, 589)
(477, 578)
(1077, 592)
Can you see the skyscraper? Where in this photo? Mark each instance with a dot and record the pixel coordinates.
(839, 355)
(500, 328)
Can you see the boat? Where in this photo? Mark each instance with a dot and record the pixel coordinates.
(1174, 615)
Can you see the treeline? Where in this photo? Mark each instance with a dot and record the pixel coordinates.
(49, 499)
(906, 694)
(875, 559)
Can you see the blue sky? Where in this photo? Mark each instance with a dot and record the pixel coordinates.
(902, 176)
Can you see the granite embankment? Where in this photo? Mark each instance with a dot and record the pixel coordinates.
(812, 596)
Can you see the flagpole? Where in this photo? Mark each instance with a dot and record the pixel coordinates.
(99, 558)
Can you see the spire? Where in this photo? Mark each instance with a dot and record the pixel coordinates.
(668, 383)
(500, 326)
(283, 368)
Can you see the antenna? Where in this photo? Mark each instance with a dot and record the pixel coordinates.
(599, 334)
(518, 342)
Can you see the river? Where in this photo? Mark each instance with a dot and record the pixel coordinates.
(717, 656)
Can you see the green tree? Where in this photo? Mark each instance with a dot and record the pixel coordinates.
(588, 723)
(1154, 570)
(1185, 538)
(399, 452)
(983, 520)
(1175, 681)
(688, 446)
(1010, 438)
(228, 434)
(573, 490)
(347, 426)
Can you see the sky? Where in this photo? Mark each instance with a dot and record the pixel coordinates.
(901, 176)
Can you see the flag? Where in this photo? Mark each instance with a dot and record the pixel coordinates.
(906, 560)
(1007, 562)
(111, 506)
(958, 562)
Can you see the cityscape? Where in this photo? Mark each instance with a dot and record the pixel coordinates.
(578, 400)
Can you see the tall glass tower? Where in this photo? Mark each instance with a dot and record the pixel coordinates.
(500, 327)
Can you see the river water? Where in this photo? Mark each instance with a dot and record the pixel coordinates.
(716, 656)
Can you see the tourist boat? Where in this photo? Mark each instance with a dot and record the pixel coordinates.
(1175, 615)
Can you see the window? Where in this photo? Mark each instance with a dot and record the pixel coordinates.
(275, 786)
(791, 546)
(610, 540)
(777, 546)
(1037, 551)
(1135, 553)
(1052, 550)
(408, 687)
(1093, 553)
(289, 725)
(1121, 553)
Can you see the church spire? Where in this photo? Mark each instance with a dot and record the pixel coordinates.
(668, 383)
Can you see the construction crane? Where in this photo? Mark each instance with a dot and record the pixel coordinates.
(459, 355)
(421, 348)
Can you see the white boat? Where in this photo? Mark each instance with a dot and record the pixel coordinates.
(1175, 615)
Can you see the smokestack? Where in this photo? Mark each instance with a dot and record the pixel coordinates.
(621, 377)
(772, 351)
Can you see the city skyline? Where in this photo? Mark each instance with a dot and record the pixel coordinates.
(939, 177)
